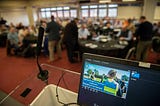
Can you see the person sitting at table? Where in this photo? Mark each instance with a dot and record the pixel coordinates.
(107, 30)
(94, 36)
(117, 24)
(125, 34)
(83, 32)
(13, 39)
(33, 30)
(101, 26)
(96, 29)
(131, 26)
(27, 49)
(89, 25)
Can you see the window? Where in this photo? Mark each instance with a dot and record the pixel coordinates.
(102, 12)
(93, 12)
(66, 8)
(112, 12)
(99, 10)
(59, 8)
(84, 7)
(102, 6)
(43, 14)
(54, 14)
(93, 6)
(53, 9)
(112, 5)
(43, 9)
(48, 14)
(73, 13)
(84, 13)
(66, 14)
(60, 14)
(47, 9)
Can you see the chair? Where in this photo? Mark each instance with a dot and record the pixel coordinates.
(156, 46)
(3, 38)
(9, 48)
(130, 53)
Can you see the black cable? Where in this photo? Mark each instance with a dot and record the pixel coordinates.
(70, 104)
(39, 67)
(64, 104)
(57, 89)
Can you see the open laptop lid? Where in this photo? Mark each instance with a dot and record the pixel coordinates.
(107, 81)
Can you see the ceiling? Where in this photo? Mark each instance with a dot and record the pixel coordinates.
(39, 3)
(96, 1)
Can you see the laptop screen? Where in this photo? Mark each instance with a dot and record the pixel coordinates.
(107, 81)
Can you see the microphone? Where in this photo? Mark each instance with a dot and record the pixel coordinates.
(43, 74)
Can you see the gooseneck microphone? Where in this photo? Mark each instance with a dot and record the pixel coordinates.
(43, 74)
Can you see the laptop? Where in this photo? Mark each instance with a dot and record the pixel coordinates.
(108, 81)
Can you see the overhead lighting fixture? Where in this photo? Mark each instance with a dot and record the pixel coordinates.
(128, 0)
(104, 1)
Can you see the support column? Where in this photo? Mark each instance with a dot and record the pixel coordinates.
(78, 11)
(30, 15)
(149, 9)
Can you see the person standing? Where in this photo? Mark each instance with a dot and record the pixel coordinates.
(70, 39)
(144, 36)
(53, 39)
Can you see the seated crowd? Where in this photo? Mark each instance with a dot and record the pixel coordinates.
(20, 39)
(23, 38)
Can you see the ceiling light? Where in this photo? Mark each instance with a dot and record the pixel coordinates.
(128, 0)
(104, 1)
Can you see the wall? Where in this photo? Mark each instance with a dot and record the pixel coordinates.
(129, 12)
(135, 11)
(157, 13)
(15, 16)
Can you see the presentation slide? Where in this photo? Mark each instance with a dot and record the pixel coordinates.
(100, 78)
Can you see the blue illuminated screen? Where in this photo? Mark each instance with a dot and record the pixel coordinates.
(100, 78)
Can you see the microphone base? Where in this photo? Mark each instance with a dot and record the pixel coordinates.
(43, 75)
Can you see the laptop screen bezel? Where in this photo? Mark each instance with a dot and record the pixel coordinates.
(154, 67)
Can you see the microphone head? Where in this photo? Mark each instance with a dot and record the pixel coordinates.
(39, 40)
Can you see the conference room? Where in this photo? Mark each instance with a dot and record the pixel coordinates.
(79, 52)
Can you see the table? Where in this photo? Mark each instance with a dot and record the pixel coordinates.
(112, 47)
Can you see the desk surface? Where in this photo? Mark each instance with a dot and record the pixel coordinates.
(36, 85)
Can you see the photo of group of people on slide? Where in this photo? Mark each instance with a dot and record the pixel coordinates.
(112, 81)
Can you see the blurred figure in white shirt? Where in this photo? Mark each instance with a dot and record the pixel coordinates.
(83, 32)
